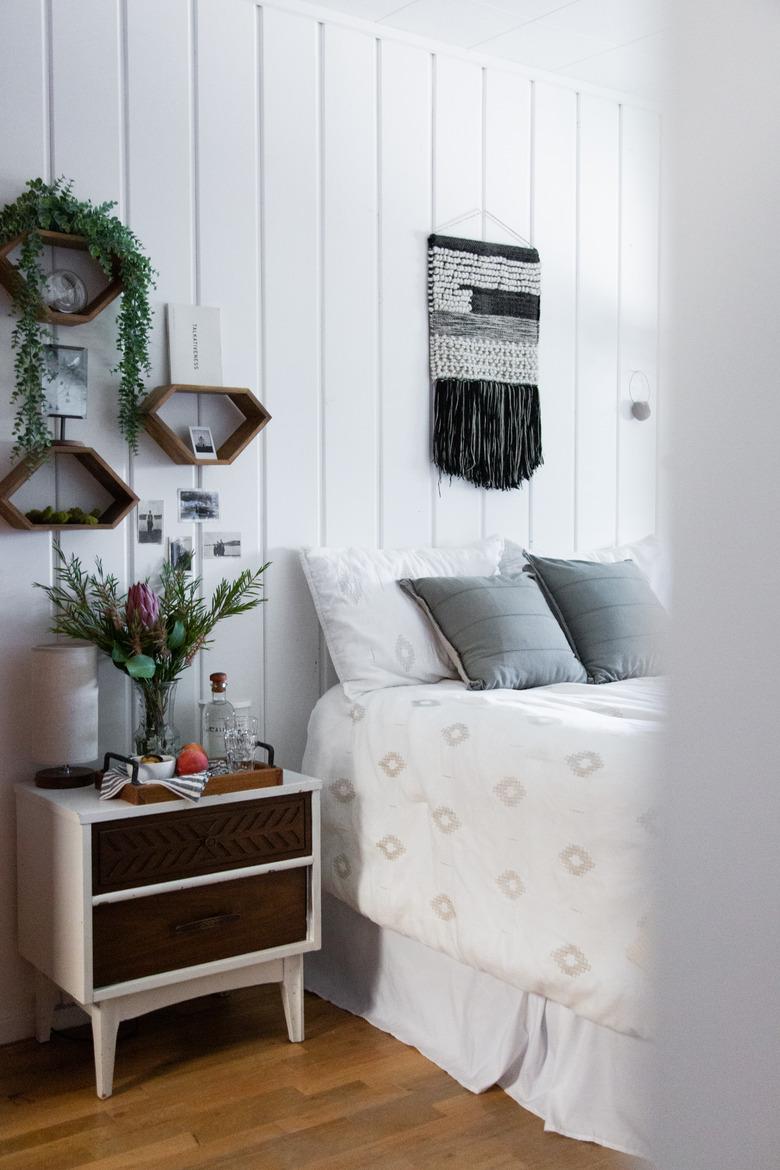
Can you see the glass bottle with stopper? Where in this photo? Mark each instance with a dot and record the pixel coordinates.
(218, 714)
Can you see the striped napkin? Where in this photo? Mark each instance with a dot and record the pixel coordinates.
(190, 787)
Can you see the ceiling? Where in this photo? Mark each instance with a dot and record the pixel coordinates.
(614, 43)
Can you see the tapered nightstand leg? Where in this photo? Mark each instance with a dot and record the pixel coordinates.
(292, 997)
(105, 1022)
(46, 998)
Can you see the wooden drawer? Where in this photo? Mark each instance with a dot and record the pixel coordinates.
(165, 932)
(142, 850)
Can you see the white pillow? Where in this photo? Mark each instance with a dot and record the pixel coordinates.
(651, 556)
(377, 636)
(648, 553)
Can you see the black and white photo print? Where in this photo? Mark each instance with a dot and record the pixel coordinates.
(196, 504)
(203, 443)
(221, 544)
(180, 552)
(150, 521)
(65, 381)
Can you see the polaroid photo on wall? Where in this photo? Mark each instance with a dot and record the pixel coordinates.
(197, 505)
(203, 443)
(195, 345)
(221, 544)
(149, 518)
(180, 553)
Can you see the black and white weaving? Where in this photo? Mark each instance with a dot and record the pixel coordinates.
(483, 302)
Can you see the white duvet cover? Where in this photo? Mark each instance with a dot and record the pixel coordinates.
(509, 829)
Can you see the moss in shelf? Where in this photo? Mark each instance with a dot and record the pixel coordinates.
(49, 515)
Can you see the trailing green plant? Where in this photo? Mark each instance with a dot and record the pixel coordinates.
(54, 207)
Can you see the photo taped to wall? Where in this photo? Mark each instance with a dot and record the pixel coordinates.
(221, 544)
(197, 505)
(150, 521)
(180, 553)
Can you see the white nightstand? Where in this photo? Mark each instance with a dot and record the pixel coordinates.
(128, 908)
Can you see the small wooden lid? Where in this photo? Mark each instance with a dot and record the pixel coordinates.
(218, 682)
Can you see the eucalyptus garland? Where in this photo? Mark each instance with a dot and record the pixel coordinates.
(53, 207)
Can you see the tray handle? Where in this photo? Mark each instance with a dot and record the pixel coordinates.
(122, 760)
(269, 749)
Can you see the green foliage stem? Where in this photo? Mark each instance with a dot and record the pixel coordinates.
(53, 207)
(90, 607)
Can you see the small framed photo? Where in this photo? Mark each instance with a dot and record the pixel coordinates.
(65, 381)
(180, 553)
(150, 521)
(197, 505)
(203, 443)
(221, 544)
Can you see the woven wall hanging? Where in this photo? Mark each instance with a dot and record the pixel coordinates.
(483, 303)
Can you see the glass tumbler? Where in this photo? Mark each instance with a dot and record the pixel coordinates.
(240, 741)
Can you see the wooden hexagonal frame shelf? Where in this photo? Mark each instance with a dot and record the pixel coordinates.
(11, 279)
(123, 498)
(255, 418)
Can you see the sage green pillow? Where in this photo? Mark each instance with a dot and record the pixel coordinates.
(499, 631)
(614, 622)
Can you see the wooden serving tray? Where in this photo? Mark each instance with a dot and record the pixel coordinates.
(261, 776)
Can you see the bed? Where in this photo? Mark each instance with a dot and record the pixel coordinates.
(487, 899)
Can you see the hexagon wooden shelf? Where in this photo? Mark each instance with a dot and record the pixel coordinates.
(123, 498)
(255, 418)
(11, 279)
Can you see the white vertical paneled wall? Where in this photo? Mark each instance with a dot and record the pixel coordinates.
(638, 348)
(292, 277)
(405, 112)
(24, 557)
(457, 210)
(598, 323)
(555, 235)
(289, 171)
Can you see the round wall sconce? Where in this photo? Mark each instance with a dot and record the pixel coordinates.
(639, 393)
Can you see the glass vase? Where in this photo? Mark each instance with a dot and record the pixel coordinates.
(155, 734)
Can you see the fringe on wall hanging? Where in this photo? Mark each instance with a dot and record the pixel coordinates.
(483, 303)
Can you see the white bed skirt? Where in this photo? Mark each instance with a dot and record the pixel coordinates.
(586, 1081)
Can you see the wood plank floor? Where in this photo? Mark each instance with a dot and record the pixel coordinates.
(215, 1083)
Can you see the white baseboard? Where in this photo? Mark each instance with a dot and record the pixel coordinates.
(15, 1026)
(20, 1025)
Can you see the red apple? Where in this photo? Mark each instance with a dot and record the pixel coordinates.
(190, 760)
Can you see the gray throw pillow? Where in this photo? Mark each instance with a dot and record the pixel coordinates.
(614, 622)
(498, 630)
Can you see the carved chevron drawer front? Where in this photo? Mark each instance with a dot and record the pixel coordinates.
(148, 849)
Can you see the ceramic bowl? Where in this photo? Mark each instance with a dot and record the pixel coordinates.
(162, 771)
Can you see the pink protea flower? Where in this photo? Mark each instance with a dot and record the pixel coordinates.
(143, 603)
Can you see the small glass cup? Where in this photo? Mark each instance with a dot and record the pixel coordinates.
(243, 719)
(240, 742)
(231, 747)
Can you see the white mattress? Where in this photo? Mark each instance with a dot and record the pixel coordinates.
(587, 1080)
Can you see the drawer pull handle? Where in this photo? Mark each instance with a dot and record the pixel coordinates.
(211, 923)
